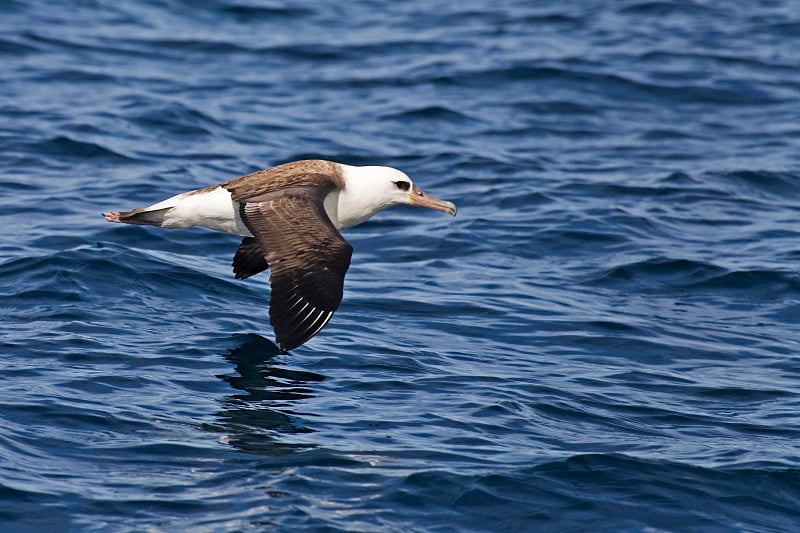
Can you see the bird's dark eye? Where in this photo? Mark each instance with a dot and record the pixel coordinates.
(402, 185)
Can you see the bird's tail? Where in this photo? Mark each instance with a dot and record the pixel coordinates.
(142, 216)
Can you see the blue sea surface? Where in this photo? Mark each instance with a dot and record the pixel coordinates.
(606, 337)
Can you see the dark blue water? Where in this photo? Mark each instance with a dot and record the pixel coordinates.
(606, 338)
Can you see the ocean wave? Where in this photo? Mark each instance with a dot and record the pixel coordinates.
(603, 338)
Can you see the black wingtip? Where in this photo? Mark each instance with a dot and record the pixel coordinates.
(285, 349)
(292, 333)
(286, 344)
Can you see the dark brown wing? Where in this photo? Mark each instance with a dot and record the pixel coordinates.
(308, 258)
(249, 259)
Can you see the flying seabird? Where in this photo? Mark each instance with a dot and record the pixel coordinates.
(289, 217)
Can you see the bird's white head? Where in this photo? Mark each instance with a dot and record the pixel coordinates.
(371, 189)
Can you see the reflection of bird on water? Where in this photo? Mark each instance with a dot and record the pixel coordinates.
(253, 420)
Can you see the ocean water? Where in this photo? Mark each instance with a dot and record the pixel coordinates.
(606, 337)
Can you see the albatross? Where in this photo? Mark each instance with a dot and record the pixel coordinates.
(289, 217)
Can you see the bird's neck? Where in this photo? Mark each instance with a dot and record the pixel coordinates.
(347, 208)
